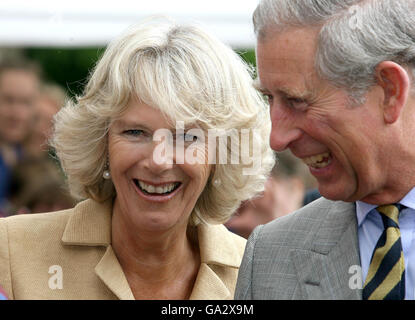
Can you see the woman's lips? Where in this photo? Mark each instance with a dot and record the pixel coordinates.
(160, 192)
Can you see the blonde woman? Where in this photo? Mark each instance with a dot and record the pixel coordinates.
(150, 227)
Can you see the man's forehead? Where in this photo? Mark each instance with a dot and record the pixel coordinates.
(283, 48)
(286, 61)
(300, 85)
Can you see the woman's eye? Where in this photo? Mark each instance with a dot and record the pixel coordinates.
(134, 132)
(186, 137)
(190, 137)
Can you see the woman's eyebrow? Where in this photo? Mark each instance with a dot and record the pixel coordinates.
(121, 123)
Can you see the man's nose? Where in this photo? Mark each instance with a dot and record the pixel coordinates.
(285, 129)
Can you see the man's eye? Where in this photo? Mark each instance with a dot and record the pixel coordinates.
(268, 98)
(296, 103)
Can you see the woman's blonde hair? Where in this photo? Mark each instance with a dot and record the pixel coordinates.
(189, 76)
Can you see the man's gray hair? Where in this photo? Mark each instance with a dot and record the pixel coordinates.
(355, 35)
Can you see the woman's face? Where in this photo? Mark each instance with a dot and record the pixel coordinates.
(152, 194)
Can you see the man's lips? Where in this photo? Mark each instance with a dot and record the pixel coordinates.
(318, 161)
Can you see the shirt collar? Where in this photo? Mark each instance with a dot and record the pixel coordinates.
(363, 208)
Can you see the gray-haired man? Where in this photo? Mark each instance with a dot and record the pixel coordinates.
(339, 76)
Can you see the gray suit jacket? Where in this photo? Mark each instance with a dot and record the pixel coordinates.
(304, 255)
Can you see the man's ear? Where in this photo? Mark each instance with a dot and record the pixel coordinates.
(394, 80)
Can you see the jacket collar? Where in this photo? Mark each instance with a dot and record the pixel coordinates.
(218, 251)
(217, 246)
(90, 225)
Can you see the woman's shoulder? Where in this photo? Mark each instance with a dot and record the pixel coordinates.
(87, 214)
(29, 227)
(218, 241)
(37, 219)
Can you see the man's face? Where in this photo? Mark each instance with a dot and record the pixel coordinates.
(18, 94)
(339, 142)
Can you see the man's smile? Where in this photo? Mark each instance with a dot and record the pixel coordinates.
(318, 161)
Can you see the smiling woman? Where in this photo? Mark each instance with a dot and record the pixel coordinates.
(151, 224)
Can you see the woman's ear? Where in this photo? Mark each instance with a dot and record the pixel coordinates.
(394, 80)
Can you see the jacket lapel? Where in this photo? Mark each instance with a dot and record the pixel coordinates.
(219, 256)
(208, 286)
(90, 225)
(325, 269)
(110, 272)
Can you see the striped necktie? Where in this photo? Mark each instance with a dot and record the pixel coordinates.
(386, 275)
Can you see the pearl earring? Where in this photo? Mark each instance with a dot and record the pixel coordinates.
(106, 175)
(217, 182)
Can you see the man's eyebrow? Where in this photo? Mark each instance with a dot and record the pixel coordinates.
(292, 93)
(257, 85)
(284, 91)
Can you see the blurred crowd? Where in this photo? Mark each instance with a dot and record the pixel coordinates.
(30, 177)
(289, 188)
(31, 180)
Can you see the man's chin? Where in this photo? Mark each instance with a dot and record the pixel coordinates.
(337, 195)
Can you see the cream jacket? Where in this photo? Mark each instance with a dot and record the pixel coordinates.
(68, 255)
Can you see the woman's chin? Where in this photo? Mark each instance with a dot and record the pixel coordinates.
(157, 223)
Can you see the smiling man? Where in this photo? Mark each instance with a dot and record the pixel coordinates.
(339, 78)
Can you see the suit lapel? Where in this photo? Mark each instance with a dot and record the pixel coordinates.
(323, 269)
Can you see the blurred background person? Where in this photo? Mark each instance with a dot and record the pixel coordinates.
(38, 185)
(19, 90)
(287, 189)
(51, 99)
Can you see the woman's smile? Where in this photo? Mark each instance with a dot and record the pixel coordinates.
(157, 192)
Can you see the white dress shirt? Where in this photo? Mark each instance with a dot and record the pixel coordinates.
(370, 228)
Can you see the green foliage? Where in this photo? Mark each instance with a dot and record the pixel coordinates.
(67, 67)
(248, 56)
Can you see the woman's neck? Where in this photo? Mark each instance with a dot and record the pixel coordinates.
(155, 260)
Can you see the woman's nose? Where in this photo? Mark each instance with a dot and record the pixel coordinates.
(160, 157)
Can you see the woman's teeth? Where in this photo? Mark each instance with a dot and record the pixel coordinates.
(167, 188)
(319, 160)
